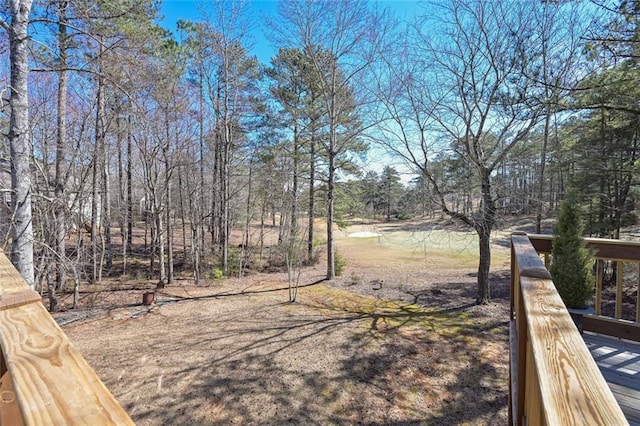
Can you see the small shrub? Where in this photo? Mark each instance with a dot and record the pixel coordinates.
(403, 216)
(571, 260)
(339, 264)
(355, 279)
(233, 262)
(217, 274)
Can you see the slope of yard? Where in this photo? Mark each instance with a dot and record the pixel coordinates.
(396, 339)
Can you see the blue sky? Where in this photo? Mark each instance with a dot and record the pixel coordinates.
(173, 10)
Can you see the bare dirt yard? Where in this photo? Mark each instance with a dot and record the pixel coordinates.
(397, 339)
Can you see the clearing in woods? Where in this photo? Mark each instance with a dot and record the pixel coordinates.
(395, 339)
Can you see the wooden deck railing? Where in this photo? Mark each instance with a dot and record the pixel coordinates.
(553, 377)
(624, 256)
(44, 379)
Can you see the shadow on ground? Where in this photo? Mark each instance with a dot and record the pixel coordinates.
(334, 357)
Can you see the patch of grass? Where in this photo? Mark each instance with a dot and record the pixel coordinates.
(440, 248)
(386, 316)
(432, 358)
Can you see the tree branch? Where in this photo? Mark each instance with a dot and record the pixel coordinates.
(5, 26)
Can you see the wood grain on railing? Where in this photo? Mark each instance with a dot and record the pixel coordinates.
(49, 379)
(557, 382)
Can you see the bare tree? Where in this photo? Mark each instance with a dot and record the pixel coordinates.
(60, 173)
(20, 148)
(230, 80)
(558, 39)
(461, 90)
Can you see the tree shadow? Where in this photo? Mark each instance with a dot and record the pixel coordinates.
(330, 359)
(173, 298)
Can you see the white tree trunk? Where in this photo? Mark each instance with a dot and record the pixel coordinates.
(20, 147)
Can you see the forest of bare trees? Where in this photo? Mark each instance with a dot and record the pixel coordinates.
(124, 141)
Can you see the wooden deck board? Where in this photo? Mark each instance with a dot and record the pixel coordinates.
(619, 361)
(45, 380)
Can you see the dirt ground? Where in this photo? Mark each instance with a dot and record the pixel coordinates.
(397, 339)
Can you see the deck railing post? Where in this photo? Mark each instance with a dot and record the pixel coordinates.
(514, 402)
(619, 282)
(519, 341)
(599, 277)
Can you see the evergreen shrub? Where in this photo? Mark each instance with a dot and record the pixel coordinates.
(571, 260)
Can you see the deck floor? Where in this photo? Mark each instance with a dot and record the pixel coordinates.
(619, 361)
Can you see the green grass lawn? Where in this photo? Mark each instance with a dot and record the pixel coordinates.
(443, 248)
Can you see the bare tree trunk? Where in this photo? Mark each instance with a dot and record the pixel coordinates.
(294, 185)
(245, 241)
(263, 213)
(331, 265)
(154, 242)
(195, 256)
(94, 215)
(283, 231)
(160, 247)
(201, 201)
(484, 228)
(197, 227)
(312, 195)
(213, 226)
(61, 140)
(122, 200)
(76, 287)
(107, 254)
(215, 197)
(79, 254)
(543, 160)
(483, 297)
(98, 158)
(129, 186)
(602, 205)
(106, 219)
(19, 145)
(183, 222)
(226, 199)
(169, 235)
(196, 240)
(244, 258)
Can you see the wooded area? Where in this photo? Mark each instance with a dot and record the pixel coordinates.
(111, 124)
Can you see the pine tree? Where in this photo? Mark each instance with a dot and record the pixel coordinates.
(572, 261)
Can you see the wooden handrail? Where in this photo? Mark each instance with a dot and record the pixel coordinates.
(554, 379)
(621, 252)
(604, 248)
(45, 380)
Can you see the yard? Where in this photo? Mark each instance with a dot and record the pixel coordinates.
(396, 339)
